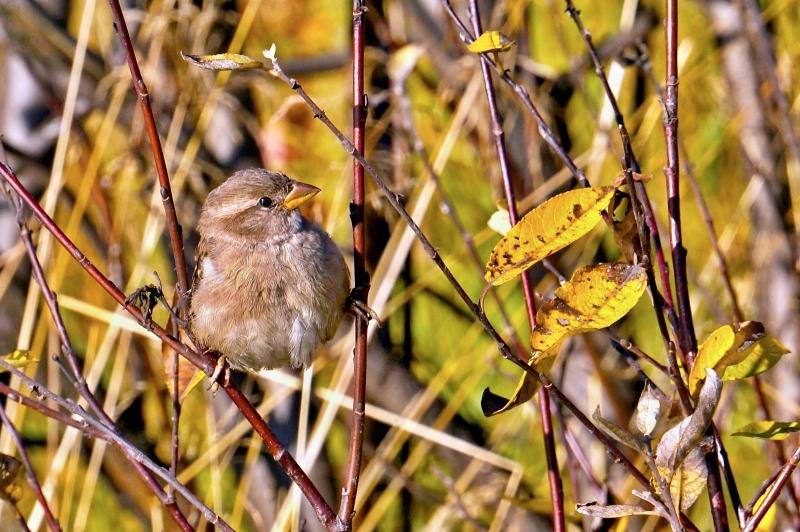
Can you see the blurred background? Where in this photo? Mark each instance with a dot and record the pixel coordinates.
(74, 133)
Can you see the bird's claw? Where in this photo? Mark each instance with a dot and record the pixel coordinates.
(361, 310)
(221, 367)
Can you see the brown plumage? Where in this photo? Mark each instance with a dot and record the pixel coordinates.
(269, 286)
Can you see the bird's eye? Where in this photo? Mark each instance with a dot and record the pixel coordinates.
(265, 202)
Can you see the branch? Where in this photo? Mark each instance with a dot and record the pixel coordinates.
(83, 421)
(30, 473)
(173, 226)
(687, 336)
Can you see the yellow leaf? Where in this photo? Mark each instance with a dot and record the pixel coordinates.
(490, 41)
(553, 225)
(689, 481)
(595, 297)
(769, 430)
(19, 358)
(735, 352)
(222, 61)
(764, 354)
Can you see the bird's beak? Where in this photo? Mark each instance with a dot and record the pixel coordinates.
(300, 193)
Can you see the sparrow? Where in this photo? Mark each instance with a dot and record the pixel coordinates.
(269, 286)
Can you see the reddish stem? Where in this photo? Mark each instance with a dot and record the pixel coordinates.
(361, 291)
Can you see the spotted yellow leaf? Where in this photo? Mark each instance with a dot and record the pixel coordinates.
(490, 41)
(551, 226)
(596, 296)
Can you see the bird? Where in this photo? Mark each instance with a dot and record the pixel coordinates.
(269, 285)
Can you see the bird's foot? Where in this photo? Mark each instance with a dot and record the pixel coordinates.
(360, 309)
(221, 367)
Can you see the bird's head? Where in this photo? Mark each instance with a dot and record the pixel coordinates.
(254, 205)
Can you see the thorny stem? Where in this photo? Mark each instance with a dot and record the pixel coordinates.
(361, 291)
(687, 336)
(206, 361)
(173, 226)
(30, 473)
(505, 350)
(553, 476)
(88, 424)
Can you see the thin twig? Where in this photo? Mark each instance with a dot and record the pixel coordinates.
(174, 229)
(553, 476)
(361, 290)
(522, 93)
(98, 429)
(30, 473)
(75, 373)
(206, 361)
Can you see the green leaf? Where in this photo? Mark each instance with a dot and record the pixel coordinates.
(222, 61)
(490, 41)
(735, 352)
(764, 354)
(769, 430)
(595, 297)
(551, 226)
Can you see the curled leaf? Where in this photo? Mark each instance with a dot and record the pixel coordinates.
(647, 411)
(611, 511)
(615, 431)
(769, 430)
(765, 353)
(490, 41)
(222, 61)
(596, 296)
(551, 226)
(678, 441)
(493, 404)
